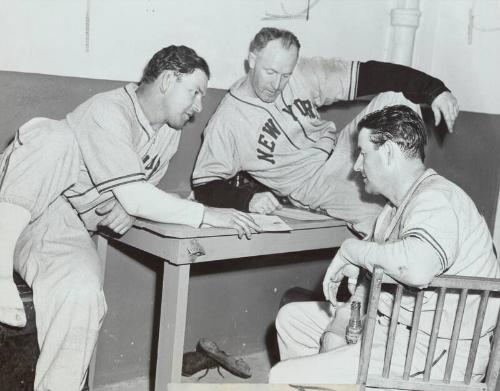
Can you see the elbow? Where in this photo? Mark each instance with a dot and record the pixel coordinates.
(416, 277)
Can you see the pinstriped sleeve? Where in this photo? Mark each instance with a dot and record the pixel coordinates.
(329, 79)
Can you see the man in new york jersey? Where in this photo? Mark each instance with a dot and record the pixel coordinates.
(268, 125)
(429, 227)
(97, 167)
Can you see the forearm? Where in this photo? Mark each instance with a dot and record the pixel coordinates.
(142, 199)
(376, 77)
(410, 261)
(223, 194)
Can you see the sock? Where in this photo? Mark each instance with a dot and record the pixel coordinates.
(13, 220)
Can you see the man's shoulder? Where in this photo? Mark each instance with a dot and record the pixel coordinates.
(113, 102)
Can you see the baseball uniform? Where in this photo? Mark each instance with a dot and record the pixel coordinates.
(60, 171)
(286, 146)
(435, 213)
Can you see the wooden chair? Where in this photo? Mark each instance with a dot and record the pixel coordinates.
(463, 285)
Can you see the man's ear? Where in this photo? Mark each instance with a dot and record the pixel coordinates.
(166, 79)
(251, 60)
(391, 151)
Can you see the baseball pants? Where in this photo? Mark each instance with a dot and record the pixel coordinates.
(55, 254)
(300, 326)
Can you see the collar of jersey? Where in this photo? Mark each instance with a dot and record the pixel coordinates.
(131, 88)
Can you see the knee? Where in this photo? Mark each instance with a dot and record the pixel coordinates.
(285, 317)
(60, 142)
(86, 294)
(277, 374)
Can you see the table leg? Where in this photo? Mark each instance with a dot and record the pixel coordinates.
(172, 325)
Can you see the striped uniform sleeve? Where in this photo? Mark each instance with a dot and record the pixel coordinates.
(430, 219)
(427, 244)
(105, 137)
(329, 79)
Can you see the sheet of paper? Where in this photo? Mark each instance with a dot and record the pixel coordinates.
(270, 223)
(300, 214)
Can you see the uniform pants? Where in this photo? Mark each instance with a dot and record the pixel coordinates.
(55, 254)
(335, 187)
(300, 326)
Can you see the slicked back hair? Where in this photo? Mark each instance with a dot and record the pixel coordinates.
(401, 125)
(267, 34)
(180, 59)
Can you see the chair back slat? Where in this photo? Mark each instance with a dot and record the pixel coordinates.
(454, 335)
(494, 362)
(413, 335)
(477, 334)
(392, 331)
(369, 326)
(434, 333)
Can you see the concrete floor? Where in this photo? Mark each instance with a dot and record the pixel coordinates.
(259, 362)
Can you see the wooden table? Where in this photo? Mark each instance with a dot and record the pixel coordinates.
(181, 246)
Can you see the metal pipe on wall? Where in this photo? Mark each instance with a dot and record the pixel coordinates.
(405, 19)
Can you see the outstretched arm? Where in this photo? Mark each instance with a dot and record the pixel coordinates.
(376, 77)
(142, 199)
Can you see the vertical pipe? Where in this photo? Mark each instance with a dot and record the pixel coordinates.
(405, 19)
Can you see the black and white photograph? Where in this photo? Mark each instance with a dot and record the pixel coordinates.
(250, 195)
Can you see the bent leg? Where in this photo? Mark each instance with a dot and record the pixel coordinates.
(58, 259)
(299, 328)
(36, 167)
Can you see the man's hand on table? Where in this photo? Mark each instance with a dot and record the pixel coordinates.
(231, 218)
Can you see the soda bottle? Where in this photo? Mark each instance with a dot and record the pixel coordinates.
(353, 329)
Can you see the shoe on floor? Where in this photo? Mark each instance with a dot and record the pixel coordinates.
(194, 362)
(236, 365)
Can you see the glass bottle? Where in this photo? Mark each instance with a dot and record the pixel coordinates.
(353, 329)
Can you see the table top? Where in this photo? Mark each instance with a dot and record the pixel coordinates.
(180, 245)
(183, 231)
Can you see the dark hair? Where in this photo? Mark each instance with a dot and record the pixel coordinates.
(180, 59)
(401, 125)
(267, 34)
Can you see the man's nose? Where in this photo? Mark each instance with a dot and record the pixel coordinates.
(357, 164)
(198, 106)
(276, 82)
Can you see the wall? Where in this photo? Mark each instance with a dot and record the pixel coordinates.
(49, 36)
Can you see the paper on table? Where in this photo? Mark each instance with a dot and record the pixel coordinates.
(270, 223)
(300, 214)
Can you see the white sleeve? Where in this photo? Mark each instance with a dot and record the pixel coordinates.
(218, 157)
(142, 199)
(329, 80)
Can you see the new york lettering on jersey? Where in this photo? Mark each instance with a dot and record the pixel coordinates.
(270, 131)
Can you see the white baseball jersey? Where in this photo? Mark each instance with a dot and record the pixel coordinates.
(118, 146)
(438, 213)
(281, 144)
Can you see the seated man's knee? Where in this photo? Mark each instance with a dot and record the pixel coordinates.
(286, 316)
(277, 374)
